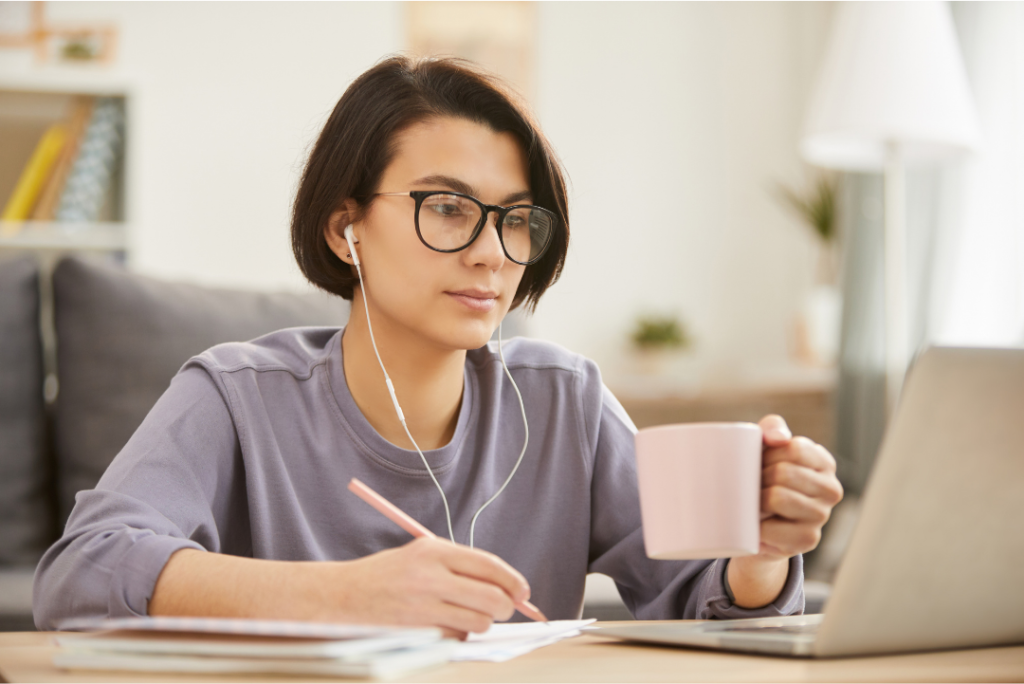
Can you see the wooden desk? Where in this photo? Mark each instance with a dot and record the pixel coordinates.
(27, 657)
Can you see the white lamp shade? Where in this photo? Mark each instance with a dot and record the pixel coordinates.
(892, 73)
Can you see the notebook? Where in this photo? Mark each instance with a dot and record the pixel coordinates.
(219, 646)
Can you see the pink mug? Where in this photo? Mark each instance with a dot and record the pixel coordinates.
(700, 489)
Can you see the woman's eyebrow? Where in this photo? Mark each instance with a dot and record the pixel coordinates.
(465, 188)
(516, 197)
(449, 182)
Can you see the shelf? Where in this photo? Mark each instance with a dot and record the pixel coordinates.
(29, 105)
(34, 235)
(78, 81)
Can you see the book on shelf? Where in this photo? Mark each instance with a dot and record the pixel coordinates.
(93, 169)
(33, 177)
(78, 119)
(71, 168)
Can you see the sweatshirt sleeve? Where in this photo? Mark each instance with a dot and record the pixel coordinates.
(652, 589)
(176, 484)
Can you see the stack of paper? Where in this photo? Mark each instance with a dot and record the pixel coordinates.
(212, 646)
(506, 641)
(219, 646)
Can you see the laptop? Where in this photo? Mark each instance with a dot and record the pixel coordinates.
(937, 557)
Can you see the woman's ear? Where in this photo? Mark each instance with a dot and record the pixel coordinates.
(334, 231)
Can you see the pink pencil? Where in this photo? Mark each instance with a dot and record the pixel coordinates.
(399, 517)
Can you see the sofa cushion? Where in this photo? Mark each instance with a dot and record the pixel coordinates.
(26, 522)
(122, 337)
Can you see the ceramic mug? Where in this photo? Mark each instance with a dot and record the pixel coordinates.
(700, 489)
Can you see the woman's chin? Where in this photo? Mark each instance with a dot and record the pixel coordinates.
(476, 341)
(466, 335)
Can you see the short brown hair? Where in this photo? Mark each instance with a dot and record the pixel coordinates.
(357, 144)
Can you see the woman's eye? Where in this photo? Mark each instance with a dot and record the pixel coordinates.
(446, 210)
(515, 222)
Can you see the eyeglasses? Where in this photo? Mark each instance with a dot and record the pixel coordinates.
(450, 221)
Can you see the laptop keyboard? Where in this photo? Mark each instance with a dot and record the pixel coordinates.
(778, 629)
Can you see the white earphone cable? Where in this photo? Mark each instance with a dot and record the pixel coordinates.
(394, 400)
(401, 416)
(526, 440)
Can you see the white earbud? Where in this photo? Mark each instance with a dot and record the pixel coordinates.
(351, 240)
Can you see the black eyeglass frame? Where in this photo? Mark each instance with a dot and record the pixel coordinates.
(485, 211)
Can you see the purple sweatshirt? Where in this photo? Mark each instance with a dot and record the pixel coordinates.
(251, 448)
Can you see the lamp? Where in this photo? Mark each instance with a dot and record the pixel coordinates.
(892, 91)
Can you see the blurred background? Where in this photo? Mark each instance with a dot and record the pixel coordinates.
(742, 175)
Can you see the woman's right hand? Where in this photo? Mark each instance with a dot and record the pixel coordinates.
(427, 582)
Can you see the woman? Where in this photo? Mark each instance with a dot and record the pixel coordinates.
(230, 499)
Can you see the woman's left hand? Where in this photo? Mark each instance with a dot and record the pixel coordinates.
(798, 490)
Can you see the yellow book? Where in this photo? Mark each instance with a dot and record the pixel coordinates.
(78, 119)
(34, 175)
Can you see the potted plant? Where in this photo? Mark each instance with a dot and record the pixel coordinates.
(658, 342)
(818, 323)
(817, 208)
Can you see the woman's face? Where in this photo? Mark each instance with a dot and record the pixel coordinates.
(454, 300)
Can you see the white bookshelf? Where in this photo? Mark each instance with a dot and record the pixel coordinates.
(31, 101)
(107, 236)
(80, 80)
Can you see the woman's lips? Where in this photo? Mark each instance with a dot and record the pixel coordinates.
(475, 303)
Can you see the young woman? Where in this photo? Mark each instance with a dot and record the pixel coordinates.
(231, 500)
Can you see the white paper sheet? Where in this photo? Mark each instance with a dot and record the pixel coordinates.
(506, 641)
(243, 626)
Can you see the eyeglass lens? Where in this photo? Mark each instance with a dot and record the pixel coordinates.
(447, 222)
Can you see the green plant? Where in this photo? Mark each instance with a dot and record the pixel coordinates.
(655, 332)
(817, 208)
(79, 48)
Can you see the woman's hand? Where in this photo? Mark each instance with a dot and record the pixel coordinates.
(427, 582)
(798, 490)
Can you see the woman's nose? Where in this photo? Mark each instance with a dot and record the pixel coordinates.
(486, 249)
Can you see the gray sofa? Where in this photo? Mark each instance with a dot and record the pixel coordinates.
(119, 339)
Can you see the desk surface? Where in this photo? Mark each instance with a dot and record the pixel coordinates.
(28, 657)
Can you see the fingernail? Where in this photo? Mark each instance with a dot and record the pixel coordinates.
(780, 433)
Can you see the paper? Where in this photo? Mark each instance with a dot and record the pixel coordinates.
(385, 665)
(506, 641)
(240, 645)
(217, 646)
(498, 644)
(275, 628)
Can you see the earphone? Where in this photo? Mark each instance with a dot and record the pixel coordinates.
(350, 239)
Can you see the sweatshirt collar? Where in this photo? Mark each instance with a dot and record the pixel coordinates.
(375, 447)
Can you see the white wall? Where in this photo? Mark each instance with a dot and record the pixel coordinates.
(228, 99)
(673, 121)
